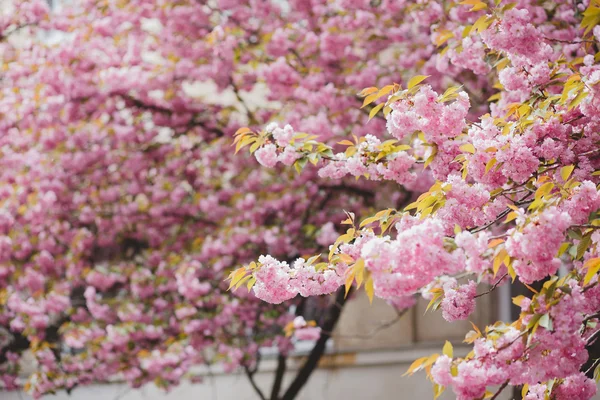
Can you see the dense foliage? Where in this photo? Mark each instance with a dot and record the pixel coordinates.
(514, 196)
(124, 207)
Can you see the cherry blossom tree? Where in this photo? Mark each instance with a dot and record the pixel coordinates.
(123, 205)
(513, 196)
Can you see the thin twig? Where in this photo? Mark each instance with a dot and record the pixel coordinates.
(594, 364)
(494, 286)
(378, 328)
(250, 376)
(504, 385)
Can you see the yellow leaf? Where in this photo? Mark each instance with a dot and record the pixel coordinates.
(244, 142)
(236, 276)
(544, 190)
(346, 258)
(524, 390)
(369, 99)
(490, 164)
(415, 365)
(346, 142)
(251, 283)
(593, 266)
(457, 229)
(385, 90)
(495, 243)
(468, 148)
(518, 299)
(349, 280)
(437, 390)
(414, 81)
(511, 216)
(430, 360)
(375, 110)
(565, 172)
(578, 99)
(450, 93)
(359, 270)
(242, 131)
(368, 221)
(242, 281)
(431, 157)
(481, 24)
(479, 6)
(444, 35)
(367, 91)
(448, 350)
(476, 328)
(369, 287)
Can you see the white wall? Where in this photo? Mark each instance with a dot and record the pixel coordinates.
(364, 376)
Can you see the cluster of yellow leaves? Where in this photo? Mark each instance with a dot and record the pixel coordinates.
(591, 16)
(372, 94)
(243, 275)
(429, 202)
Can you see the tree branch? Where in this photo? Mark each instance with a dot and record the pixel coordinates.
(279, 373)
(250, 375)
(494, 286)
(504, 385)
(319, 349)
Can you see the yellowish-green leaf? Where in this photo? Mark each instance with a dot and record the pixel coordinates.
(443, 36)
(414, 367)
(448, 350)
(511, 216)
(236, 276)
(544, 190)
(251, 283)
(369, 287)
(468, 148)
(414, 81)
(375, 110)
(578, 99)
(242, 281)
(369, 99)
(349, 280)
(359, 271)
(490, 164)
(518, 299)
(437, 390)
(242, 131)
(524, 390)
(593, 266)
(367, 91)
(565, 172)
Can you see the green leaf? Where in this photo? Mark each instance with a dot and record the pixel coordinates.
(546, 322)
(583, 245)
